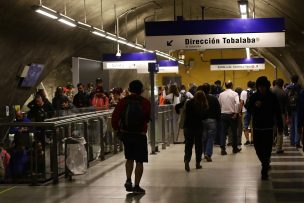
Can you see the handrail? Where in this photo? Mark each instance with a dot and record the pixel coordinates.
(55, 130)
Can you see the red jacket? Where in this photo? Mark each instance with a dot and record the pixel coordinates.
(120, 108)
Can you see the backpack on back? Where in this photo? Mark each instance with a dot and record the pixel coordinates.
(183, 97)
(132, 118)
(293, 96)
(249, 94)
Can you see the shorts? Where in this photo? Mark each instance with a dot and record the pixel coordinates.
(247, 120)
(136, 147)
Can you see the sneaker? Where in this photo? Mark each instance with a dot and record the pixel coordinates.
(247, 143)
(129, 186)
(237, 150)
(187, 167)
(208, 158)
(298, 146)
(138, 190)
(280, 151)
(198, 166)
(223, 152)
(251, 142)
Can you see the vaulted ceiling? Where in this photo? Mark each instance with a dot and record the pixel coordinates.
(26, 36)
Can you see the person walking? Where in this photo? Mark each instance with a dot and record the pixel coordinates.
(129, 120)
(193, 128)
(265, 110)
(229, 101)
(210, 120)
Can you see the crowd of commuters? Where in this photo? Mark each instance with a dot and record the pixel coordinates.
(64, 102)
(209, 113)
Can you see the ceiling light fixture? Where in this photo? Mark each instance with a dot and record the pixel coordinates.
(45, 11)
(248, 53)
(243, 5)
(101, 33)
(67, 20)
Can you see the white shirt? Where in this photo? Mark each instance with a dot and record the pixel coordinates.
(229, 101)
(244, 99)
(188, 94)
(170, 98)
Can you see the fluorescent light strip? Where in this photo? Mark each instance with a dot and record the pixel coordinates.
(69, 23)
(84, 24)
(131, 45)
(122, 41)
(111, 38)
(98, 33)
(243, 8)
(46, 13)
(248, 53)
(244, 16)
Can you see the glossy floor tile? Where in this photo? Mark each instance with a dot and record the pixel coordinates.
(232, 178)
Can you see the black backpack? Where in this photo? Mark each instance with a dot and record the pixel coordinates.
(293, 97)
(249, 94)
(183, 97)
(132, 118)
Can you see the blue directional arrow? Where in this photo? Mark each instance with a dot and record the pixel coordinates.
(169, 43)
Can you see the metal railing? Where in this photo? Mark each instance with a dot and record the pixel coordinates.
(45, 147)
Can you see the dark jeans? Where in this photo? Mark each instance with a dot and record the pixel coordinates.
(262, 140)
(228, 121)
(193, 136)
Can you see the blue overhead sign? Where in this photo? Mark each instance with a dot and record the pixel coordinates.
(138, 60)
(215, 34)
(237, 64)
(165, 66)
(136, 56)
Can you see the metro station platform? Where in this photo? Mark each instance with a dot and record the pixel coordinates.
(231, 178)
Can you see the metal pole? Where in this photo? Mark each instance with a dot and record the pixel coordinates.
(86, 137)
(163, 130)
(54, 156)
(152, 125)
(117, 26)
(203, 12)
(102, 153)
(101, 16)
(85, 11)
(174, 10)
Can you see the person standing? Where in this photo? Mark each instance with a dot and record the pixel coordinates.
(265, 110)
(196, 109)
(130, 119)
(81, 99)
(282, 99)
(229, 101)
(293, 93)
(245, 96)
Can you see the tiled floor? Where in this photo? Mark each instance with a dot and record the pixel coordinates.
(231, 178)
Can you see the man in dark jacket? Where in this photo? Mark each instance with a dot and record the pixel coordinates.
(81, 99)
(264, 108)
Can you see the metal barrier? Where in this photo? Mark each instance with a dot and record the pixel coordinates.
(45, 147)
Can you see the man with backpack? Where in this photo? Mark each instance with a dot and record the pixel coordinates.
(129, 120)
(293, 95)
(185, 95)
(245, 95)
